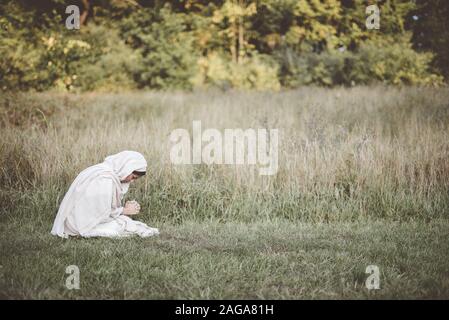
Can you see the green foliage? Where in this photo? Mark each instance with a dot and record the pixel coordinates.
(430, 25)
(168, 56)
(112, 62)
(262, 44)
(392, 63)
(375, 61)
(50, 56)
(324, 69)
(299, 24)
(258, 72)
(60, 60)
(19, 57)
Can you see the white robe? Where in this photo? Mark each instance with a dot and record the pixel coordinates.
(92, 207)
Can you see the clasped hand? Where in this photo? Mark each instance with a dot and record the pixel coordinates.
(131, 208)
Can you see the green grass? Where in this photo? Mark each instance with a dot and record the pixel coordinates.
(363, 180)
(211, 260)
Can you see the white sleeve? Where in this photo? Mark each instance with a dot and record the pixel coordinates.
(116, 212)
(116, 208)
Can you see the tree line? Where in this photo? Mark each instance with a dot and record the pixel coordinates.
(263, 44)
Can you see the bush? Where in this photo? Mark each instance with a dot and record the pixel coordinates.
(257, 72)
(112, 64)
(19, 50)
(166, 48)
(392, 62)
(325, 69)
(385, 61)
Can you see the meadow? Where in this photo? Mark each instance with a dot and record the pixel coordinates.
(363, 179)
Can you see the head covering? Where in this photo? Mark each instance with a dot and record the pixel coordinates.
(124, 163)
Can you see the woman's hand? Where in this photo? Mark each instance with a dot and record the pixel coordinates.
(131, 208)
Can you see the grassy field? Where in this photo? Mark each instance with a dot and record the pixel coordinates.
(363, 180)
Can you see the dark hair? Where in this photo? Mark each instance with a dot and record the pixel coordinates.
(139, 173)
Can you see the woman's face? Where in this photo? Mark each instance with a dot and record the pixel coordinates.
(130, 178)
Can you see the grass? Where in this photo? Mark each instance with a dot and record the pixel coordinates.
(363, 180)
(266, 260)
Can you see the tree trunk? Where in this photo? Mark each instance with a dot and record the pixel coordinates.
(234, 44)
(241, 40)
(85, 13)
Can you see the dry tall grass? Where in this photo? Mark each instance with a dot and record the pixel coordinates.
(345, 154)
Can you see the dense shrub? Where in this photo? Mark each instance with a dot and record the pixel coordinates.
(111, 64)
(390, 62)
(167, 54)
(257, 72)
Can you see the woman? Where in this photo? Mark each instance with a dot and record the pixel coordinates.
(93, 205)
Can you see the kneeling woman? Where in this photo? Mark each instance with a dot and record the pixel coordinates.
(93, 205)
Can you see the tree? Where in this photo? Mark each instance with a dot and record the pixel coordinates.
(232, 17)
(430, 25)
